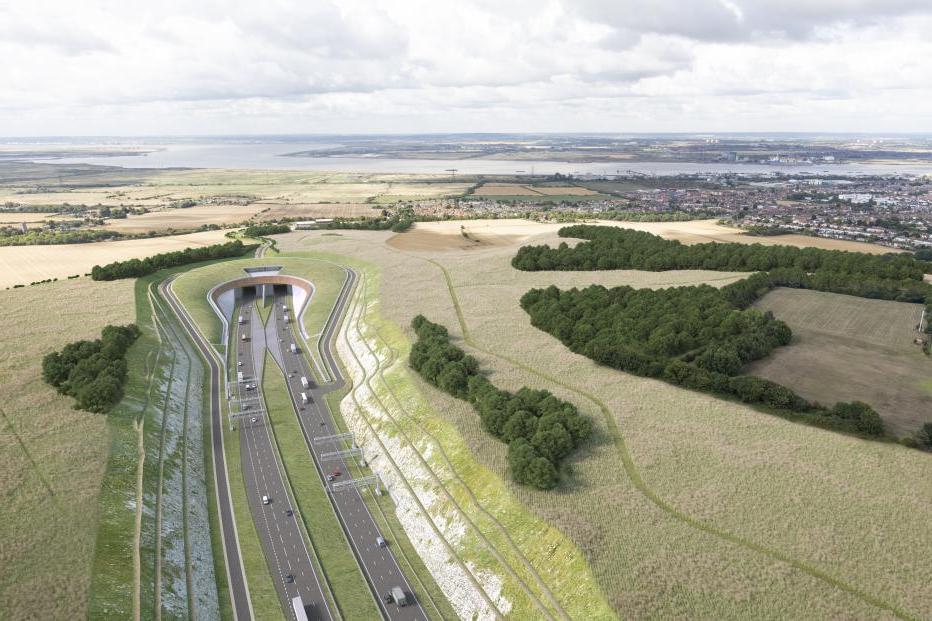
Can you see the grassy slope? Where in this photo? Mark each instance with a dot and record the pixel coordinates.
(350, 590)
(52, 457)
(667, 501)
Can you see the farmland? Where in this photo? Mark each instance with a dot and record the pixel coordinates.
(52, 457)
(851, 348)
(25, 264)
(680, 472)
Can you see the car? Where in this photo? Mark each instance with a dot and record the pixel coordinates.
(289, 512)
(254, 419)
(388, 598)
(336, 472)
(380, 541)
(266, 500)
(240, 363)
(329, 477)
(289, 579)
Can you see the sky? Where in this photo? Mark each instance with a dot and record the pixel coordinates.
(176, 67)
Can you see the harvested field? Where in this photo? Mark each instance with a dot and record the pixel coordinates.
(52, 457)
(563, 190)
(276, 211)
(183, 219)
(667, 503)
(9, 218)
(516, 231)
(25, 264)
(846, 348)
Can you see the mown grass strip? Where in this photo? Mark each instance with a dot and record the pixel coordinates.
(353, 597)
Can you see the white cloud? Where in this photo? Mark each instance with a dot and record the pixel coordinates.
(133, 67)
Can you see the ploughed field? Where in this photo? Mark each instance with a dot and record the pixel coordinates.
(846, 348)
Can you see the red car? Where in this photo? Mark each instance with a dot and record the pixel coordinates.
(335, 473)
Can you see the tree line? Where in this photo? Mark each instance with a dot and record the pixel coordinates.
(693, 337)
(93, 372)
(397, 222)
(611, 248)
(539, 428)
(261, 230)
(135, 268)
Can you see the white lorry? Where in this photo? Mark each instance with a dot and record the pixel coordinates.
(294, 348)
(304, 382)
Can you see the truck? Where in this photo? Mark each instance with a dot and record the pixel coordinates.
(400, 597)
(241, 319)
(239, 376)
(303, 397)
(304, 382)
(294, 348)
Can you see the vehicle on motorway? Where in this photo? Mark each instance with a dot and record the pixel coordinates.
(289, 578)
(380, 541)
(400, 597)
(304, 382)
(265, 500)
(239, 363)
(336, 472)
(329, 477)
(303, 397)
(254, 419)
(244, 336)
(289, 512)
(388, 598)
(241, 319)
(294, 348)
(239, 375)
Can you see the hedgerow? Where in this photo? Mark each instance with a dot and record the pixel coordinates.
(135, 268)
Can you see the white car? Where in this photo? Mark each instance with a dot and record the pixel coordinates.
(265, 500)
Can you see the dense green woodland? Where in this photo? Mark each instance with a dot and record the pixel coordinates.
(398, 222)
(261, 230)
(134, 268)
(539, 428)
(93, 372)
(701, 337)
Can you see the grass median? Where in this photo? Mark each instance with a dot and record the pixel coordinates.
(340, 568)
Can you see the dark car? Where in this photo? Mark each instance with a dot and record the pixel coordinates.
(388, 598)
(289, 512)
(289, 578)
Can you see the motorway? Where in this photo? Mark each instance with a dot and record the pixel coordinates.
(277, 523)
(380, 568)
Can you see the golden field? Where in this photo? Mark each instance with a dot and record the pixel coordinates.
(26, 264)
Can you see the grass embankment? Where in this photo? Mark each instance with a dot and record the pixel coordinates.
(177, 562)
(340, 569)
(52, 457)
(533, 564)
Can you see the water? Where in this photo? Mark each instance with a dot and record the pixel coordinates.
(262, 155)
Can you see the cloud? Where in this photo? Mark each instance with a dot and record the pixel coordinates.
(228, 66)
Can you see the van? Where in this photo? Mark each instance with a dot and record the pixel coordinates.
(304, 382)
(239, 376)
(294, 348)
(241, 319)
(265, 500)
(244, 336)
(303, 397)
(380, 541)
